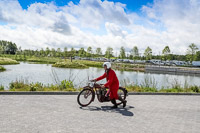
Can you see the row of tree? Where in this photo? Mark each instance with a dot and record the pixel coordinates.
(7, 47)
(192, 54)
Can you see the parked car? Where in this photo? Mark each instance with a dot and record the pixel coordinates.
(179, 63)
(126, 60)
(155, 62)
(196, 63)
(131, 61)
(77, 58)
(168, 63)
(140, 61)
(119, 60)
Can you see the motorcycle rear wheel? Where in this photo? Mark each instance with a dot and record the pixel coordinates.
(123, 93)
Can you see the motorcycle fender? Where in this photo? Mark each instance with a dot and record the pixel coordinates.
(126, 91)
(93, 93)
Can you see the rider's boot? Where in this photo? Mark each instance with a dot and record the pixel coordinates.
(123, 101)
(115, 104)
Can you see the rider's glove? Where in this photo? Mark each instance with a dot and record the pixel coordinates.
(102, 86)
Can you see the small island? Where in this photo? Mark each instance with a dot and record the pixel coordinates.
(7, 61)
(68, 64)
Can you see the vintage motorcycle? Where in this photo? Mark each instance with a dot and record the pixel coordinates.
(87, 95)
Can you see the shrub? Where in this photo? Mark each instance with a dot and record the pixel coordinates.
(66, 84)
(195, 89)
(2, 69)
(22, 86)
(1, 88)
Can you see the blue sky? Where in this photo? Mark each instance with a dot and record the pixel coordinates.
(132, 5)
(35, 24)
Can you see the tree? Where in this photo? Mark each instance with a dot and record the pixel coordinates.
(191, 51)
(122, 53)
(148, 53)
(98, 51)
(166, 51)
(42, 52)
(81, 52)
(65, 51)
(47, 51)
(197, 57)
(1, 49)
(89, 52)
(72, 53)
(135, 52)
(58, 52)
(20, 49)
(8, 47)
(53, 52)
(109, 52)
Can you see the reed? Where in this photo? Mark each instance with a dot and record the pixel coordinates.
(21, 85)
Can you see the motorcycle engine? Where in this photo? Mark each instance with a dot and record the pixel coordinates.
(101, 95)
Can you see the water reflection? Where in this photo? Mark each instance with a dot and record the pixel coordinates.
(49, 75)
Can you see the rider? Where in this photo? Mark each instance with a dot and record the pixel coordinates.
(112, 84)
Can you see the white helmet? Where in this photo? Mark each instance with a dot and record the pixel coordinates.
(108, 64)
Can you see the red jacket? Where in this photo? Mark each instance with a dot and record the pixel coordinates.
(112, 83)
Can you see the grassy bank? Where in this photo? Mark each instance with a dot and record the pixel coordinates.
(68, 64)
(173, 89)
(86, 64)
(7, 61)
(91, 63)
(69, 86)
(48, 60)
(77, 64)
(149, 84)
(24, 86)
(128, 67)
(15, 57)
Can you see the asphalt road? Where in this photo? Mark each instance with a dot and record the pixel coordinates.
(62, 114)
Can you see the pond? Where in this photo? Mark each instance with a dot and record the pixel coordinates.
(46, 74)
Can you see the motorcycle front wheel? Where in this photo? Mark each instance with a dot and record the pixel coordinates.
(85, 97)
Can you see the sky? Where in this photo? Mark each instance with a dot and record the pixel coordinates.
(132, 5)
(36, 24)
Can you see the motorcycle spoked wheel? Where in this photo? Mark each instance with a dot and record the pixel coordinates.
(85, 97)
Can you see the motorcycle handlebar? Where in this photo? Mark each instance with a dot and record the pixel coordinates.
(93, 81)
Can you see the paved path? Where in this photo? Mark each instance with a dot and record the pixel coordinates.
(60, 113)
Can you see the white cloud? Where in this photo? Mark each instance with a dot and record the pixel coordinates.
(164, 22)
(92, 13)
(115, 30)
(38, 15)
(180, 20)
